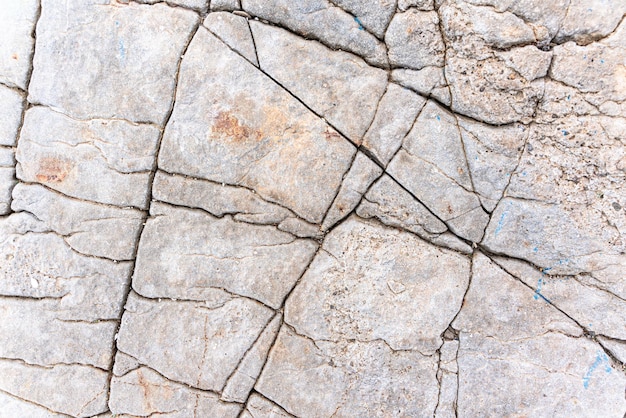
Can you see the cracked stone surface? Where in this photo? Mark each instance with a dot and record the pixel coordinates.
(320, 208)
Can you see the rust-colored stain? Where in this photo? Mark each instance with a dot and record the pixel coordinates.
(331, 134)
(14, 56)
(53, 170)
(228, 125)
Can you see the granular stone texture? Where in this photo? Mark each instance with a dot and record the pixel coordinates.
(312, 208)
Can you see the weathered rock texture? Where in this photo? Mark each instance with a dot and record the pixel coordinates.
(313, 208)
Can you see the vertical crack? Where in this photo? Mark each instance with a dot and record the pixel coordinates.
(153, 171)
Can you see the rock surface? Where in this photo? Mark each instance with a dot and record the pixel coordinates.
(319, 208)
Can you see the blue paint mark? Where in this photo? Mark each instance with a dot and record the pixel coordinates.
(524, 174)
(568, 97)
(564, 132)
(356, 19)
(538, 294)
(501, 221)
(601, 359)
(438, 117)
(122, 49)
(601, 61)
(535, 249)
(117, 23)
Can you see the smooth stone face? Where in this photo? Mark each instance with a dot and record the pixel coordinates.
(436, 139)
(358, 180)
(106, 161)
(17, 19)
(540, 233)
(39, 264)
(512, 338)
(493, 154)
(122, 75)
(257, 135)
(199, 5)
(414, 40)
(88, 228)
(429, 81)
(347, 379)
(587, 21)
(191, 342)
(189, 254)
(11, 105)
(442, 195)
(217, 5)
(602, 313)
(7, 178)
(234, 31)
(332, 83)
(75, 390)
(217, 199)
(143, 392)
(373, 15)
(319, 19)
(372, 283)
(396, 113)
(529, 61)
(240, 384)
(418, 4)
(14, 407)
(259, 406)
(388, 202)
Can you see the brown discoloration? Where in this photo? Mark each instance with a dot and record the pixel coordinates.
(331, 134)
(228, 125)
(14, 57)
(53, 170)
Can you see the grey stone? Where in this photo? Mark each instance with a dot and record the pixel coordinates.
(347, 379)
(357, 284)
(199, 5)
(529, 61)
(217, 199)
(484, 85)
(300, 228)
(388, 202)
(448, 379)
(190, 254)
(615, 347)
(107, 161)
(436, 139)
(512, 338)
(395, 115)
(17, 19)
(35, 332)
(75, 390)
(260, 407)
(414, 40)
(357, 181)
(493, 154)
(601, 313)
(319, 19)
(11, 106)
(239, 385)
(373, 15)
(257, 135)
(332, 83)
(603, 78)
(15, 407)
(122, 75)
(88, 228)
(441, 194)
(144, 392)
(587, 21)
(191, 342)
(124, 364)
(7, 178)
(418, 4)
(217, 5)
(541, 233)
(39, 264)
(429, 81)
(234, 31)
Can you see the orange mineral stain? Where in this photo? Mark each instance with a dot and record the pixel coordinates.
(53, 170)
